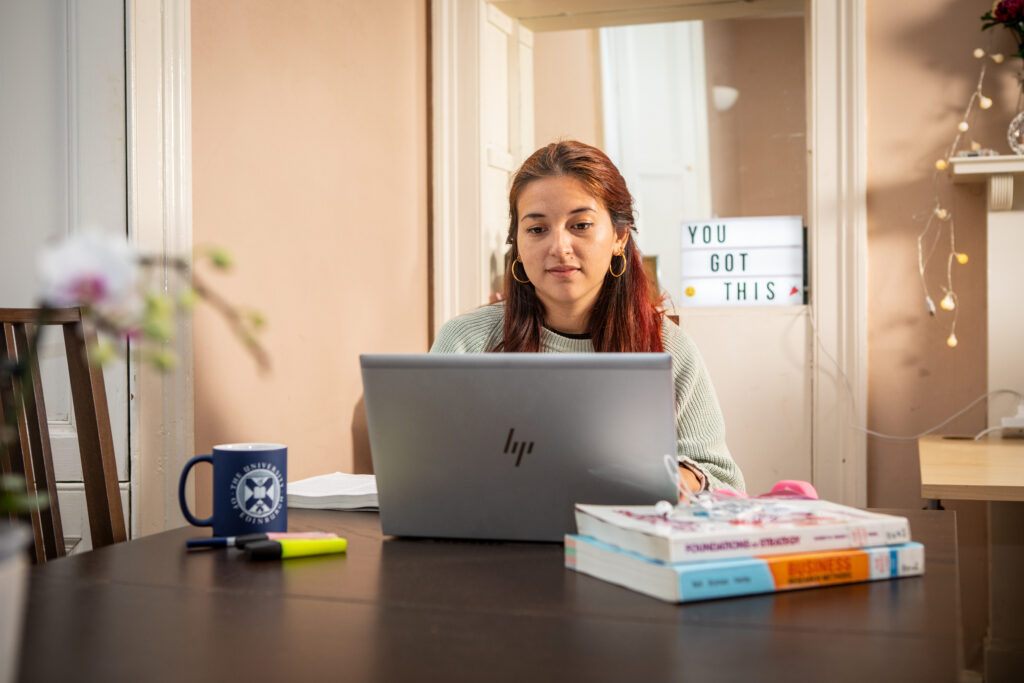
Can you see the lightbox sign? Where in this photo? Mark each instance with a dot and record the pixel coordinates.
(748, 261)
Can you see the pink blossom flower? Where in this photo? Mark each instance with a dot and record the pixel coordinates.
(93, 270)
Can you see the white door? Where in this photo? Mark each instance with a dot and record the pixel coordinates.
(506, 125)
(656, 129)
(482, 130)
(62, 168)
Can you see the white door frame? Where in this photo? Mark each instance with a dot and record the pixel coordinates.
(159, 78)
(837, 246)
(456, 29)
(836, 215)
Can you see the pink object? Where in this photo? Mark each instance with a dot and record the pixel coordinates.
(785, 488)
(286, 535)
(792, 488)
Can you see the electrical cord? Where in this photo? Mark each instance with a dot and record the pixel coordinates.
(948, 419)
(894, 437)
(986, 431)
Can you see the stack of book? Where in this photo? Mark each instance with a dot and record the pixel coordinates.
(739, 547)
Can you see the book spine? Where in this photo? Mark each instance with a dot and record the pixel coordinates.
(658, 545)
(704, 581)
(812, 539)
(695, 581)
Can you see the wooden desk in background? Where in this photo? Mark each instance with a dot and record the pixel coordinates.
(965, 469)
(992, 470)
(419, 610)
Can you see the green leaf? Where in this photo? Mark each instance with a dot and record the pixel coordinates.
(187, 299)
(164, 360)
(103, 352)
(257, 320)
(221, 258)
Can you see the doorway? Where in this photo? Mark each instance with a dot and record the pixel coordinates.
(832, 367)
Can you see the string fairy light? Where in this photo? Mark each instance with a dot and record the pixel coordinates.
(940, 218)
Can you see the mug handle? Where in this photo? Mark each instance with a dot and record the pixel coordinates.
(181, 492)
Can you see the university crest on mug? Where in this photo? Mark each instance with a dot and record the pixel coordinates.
(249, 489)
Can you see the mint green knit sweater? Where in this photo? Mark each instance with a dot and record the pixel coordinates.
(700, 430)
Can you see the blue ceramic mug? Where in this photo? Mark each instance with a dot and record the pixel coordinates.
(248, 489)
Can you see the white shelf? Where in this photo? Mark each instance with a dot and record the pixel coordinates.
(998, 171)
(975, 169)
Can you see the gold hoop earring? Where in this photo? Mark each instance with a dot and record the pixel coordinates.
(624, 263)
(522, 282)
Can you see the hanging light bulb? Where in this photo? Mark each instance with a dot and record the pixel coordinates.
(978, 53)
(962, 126)
(941, 164)
(997, 58)
(947, 303)
(985, 102)
(961, 258)
(951, 341)
(941, 213)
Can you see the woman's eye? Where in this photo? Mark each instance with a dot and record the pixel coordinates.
(536, 230)
(582, 226)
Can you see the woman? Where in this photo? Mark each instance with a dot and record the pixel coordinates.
(576, 284)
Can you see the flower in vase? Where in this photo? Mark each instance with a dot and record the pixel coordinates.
(1009, 14)
(1006, 11)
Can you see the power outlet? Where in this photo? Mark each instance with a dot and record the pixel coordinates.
(1013, 427)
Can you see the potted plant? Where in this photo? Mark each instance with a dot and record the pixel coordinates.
(14, 540)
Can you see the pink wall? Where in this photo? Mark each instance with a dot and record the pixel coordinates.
(567, 87)
(758, 147)
(310, 164)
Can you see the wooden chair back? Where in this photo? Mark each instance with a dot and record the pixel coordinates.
(29, 454)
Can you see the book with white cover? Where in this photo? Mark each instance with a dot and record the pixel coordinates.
(335, 491)
(740, 527)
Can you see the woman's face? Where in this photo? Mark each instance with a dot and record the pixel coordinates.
(566, 241)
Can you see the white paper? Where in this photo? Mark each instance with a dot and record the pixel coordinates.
(335, 491)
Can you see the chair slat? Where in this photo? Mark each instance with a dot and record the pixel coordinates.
(32, 316)
(95, 441)
(20, 450)
(39, 445)
(9, 457)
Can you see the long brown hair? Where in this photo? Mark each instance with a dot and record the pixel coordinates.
(623, 317)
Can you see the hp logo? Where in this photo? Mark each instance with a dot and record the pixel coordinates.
(517, 447)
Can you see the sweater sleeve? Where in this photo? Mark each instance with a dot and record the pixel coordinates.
(700, 428)
(473, 332)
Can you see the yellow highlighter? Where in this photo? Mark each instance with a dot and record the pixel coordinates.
(284, 548)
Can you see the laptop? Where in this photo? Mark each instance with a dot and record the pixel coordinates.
(502, 446)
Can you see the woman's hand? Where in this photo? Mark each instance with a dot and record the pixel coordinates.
(688, 479)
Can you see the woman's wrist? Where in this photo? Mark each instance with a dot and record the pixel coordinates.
(690, 477)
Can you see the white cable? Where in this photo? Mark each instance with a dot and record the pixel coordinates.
(944, 422)
(986, 431)
(853, 403)
(839, 369)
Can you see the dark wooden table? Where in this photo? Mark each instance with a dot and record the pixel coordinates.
(420, 610)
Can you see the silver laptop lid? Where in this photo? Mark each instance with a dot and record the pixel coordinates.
(501, 446)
